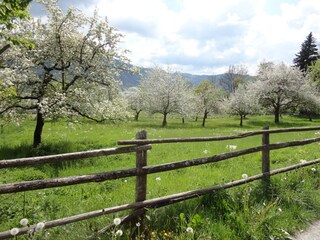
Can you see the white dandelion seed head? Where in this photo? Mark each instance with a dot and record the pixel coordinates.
(39, 226)
(205, 151)
(24, 221)
(313, 169)
(303, 161)
(138, 224)
(117, 221)
(189, 230)
(119, 233)
(158, 179)
(14, 231)
(244, 176)
(231, 147)
(279, 209)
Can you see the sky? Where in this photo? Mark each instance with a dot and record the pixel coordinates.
(207, 36)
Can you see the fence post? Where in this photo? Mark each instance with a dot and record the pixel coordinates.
(266, 161)
(141, 179)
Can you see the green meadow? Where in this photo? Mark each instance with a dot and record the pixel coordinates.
(239, 213)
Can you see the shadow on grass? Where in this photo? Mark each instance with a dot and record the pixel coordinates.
(51, 169)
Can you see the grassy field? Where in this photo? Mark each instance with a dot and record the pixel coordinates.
(239, 213)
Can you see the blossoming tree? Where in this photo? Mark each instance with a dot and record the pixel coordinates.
(136, 102)
(209, 98)
(72, 70)
(165, 92)
(242, 102)
(278, 87)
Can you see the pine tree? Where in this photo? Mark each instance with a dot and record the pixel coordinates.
(307, 55)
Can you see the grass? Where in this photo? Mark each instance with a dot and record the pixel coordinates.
(238, 213)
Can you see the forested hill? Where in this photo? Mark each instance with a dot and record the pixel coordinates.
(131, 80)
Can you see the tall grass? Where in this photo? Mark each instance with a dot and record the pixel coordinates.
(239, 213)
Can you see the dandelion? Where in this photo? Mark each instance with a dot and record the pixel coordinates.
(244, 176)
(205, 151)
(24, 221)
(125, 180)
(117, 221)
(279, 209)
(313, 169)
(47, 235)
(303, 161)
(39, 226)
(14, 231)
(138, 224)
(189, 230)
(317, 133)
(231, 147)
(119, 233)
(158, 179)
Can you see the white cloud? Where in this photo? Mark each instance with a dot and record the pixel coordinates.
(206, 36)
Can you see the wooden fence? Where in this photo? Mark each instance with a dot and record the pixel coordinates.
(141, 145)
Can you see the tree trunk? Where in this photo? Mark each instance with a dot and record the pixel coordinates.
(38, 131)
(136, 116)
(1, 126)
(276, 116)
(196, 120)
(183, 120)
(241, 120)
(164, 122)
(310, 118)
(204, 118)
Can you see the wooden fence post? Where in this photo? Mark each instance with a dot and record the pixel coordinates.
(141, 179)
(266, 161)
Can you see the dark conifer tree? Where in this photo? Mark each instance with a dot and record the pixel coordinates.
(307, 55)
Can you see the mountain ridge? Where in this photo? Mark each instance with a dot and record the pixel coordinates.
(129, 79)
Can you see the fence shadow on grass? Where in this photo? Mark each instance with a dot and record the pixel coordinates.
(51, 169)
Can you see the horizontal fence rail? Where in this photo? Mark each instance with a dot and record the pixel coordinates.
(219, 138)
(70, 156)
(140, 147)
(174, 198)
(104, 176)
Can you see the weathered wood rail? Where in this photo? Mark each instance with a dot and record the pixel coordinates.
(141, 145)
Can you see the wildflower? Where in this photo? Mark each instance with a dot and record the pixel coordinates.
(138, 224)
(189, 230)
(279, 209)
(158, 179)
(244, 176)
(205, 151)
(24, 221)
(47, 235)
(14, 231)
(317, 133)
(231, 147)
(313, 169)
(117, 221)
(39, 226)
(119, 233)
(125, 180)
(303, 161)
